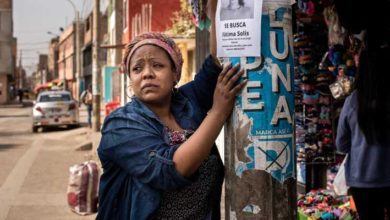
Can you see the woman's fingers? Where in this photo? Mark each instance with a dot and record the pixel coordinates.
(229, 74)
(239, 87)
(232, 81)
(228, 78)
(224, 71)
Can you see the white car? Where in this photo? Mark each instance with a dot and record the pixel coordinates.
(55, 108)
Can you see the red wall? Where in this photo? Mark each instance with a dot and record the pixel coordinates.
(162, 12)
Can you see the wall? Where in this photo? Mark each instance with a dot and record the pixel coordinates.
(67, 60)
(114, 33)
(65, 54)
(160, 15)
(52, 59)
(7, 47)
(3, 88)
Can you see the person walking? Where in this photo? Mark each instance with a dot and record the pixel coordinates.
(86, 98)
(363, 128)
(20, 95)
(158, 152)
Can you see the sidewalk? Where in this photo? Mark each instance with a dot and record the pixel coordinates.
(93, 136)
(17, 104)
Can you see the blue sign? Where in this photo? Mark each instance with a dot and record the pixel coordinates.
(266, 106)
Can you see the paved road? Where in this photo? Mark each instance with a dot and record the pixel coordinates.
(34, 167)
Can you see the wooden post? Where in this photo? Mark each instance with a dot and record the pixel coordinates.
(202, 48)
(96, 75)
(259, 137)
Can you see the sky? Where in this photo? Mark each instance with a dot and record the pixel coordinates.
(32, 19)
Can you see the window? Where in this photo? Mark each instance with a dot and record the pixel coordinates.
(88, 24)
(54, 98)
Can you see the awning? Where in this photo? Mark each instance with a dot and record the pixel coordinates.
(54, 84)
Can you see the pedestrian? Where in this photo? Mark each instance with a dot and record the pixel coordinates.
(236, 9)
(86, 98)
(20, 95)
(363, 128)
(158, 152)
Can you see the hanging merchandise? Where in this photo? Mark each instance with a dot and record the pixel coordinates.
(336, 33)
(314, 136)
(325, 67)
(199, 14)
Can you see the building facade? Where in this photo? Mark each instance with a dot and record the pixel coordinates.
(7, 51)
(111, 78)
(67, 59)
(52, 65)
(86, 51)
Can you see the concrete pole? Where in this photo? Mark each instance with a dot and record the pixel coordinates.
(259, 137)
(78, 56)
(96, 77)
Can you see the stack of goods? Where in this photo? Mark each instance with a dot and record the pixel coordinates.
(322, 204)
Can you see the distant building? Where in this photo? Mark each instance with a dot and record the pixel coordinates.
(86, 48)
(20, 77)
(42, 70)
(52, 65)
(67, 58)
(7, 51)
(112, 45)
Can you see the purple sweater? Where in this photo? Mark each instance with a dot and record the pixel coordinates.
(367, 166)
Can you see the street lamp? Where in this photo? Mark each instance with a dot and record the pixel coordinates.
(78, 57)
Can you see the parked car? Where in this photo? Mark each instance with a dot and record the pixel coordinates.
(55, 108)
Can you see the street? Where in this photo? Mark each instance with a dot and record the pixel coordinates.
(34, 167)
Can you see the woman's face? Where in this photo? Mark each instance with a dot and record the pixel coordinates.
(152, 75)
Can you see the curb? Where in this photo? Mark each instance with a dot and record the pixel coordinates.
(84, 146)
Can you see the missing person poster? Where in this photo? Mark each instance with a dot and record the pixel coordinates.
(238, 25)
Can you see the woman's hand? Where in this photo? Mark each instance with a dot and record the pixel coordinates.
(192, 152)
(226, 90)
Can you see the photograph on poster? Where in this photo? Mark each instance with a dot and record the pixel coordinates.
(236, 9)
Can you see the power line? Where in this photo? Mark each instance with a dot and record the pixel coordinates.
(29, 58)
(32, 49)
(33, 43)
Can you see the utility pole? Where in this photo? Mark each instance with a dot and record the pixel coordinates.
(78, 56)
(20, 72)
(259, 137)
(96, 78)
(78, 50)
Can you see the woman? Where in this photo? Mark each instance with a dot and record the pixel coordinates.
(363, 130)
(236, 9)
(158, 151)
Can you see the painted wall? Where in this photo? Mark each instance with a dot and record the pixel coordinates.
(114, 55)
(7, 49)
(140, 15)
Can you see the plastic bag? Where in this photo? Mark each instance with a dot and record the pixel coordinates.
(83, 188)
(339, 183)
